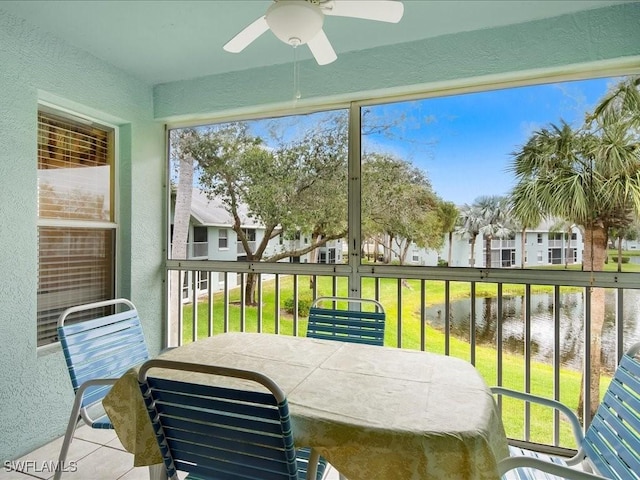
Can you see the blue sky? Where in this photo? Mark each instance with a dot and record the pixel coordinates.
(464, 142)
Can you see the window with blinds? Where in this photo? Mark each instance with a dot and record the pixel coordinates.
(76, 228)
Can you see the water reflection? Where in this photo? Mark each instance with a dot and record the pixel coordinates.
(542, 324)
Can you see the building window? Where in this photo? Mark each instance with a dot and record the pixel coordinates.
(250, 233)
(539, 256)
(200, 241)
(76, 221)
(539, 239)
(223, 239)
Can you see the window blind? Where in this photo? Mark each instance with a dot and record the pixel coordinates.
(76, 252)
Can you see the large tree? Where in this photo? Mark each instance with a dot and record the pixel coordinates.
(398, 205)
(294, 187)
(588, 176)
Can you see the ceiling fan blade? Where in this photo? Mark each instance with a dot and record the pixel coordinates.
(381, 10)
(246, 36)
(322, 49)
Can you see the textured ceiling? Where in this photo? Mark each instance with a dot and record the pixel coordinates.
(166, 41)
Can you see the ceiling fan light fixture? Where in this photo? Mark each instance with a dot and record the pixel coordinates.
(295, 22)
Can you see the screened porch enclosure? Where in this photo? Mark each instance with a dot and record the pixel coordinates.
(372, 201)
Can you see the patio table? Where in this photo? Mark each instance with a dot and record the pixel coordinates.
(372, 412)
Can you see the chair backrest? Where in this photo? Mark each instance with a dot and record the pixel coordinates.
(103, 347)
(215, 431)
(612, 441)
(347, 324)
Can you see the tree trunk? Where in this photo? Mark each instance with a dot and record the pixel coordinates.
(181, 218)
(523, 246)
(250, 290)
(487, 253)
(315, 255)
(388, 249)
(595, 251)
(450, 249)
(620, 253)
(472, 259)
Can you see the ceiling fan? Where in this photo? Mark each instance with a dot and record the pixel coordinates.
(299, 22)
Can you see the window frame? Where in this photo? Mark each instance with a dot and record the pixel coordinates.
(74, 117)
(225, 238)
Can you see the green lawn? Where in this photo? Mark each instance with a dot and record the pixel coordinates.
(485, 356)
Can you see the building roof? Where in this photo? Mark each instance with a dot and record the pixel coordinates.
(213, 212)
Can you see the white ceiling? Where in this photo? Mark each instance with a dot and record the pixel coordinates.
(165, 41)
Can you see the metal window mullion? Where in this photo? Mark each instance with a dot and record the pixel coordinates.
(314, 288)
(354, 199)
(619, 324)
(259, 306)
(499, 365)
(399, 311)
(556, 363)
(472, 323)
(276, 302)
(194, 304)
(527, 360)
(447, 317)
(295, 305)
(423, 315)
(225, 313)
(210, 297)
(586, 384)
(181, 274)
(244, 279)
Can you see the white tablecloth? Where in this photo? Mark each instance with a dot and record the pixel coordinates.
(373, 412)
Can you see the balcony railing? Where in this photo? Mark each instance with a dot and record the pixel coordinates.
(242, 251)
(530, 330)
(501, 243)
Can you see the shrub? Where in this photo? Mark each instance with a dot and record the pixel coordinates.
(614, 258)
(304, 304)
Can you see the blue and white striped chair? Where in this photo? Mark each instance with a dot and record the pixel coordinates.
(218, 432)
(98, 350)
(347, 325)
(611, 445)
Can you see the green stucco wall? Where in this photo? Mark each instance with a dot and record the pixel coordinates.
(582, 38)
(35, 392)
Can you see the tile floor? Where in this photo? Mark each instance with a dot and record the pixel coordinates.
(99, 456)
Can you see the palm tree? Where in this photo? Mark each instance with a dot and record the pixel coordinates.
(469, 223)
(494, 221)
(448, 214)
(621, 103)
(586, 176)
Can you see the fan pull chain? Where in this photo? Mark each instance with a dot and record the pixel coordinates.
(296, 75)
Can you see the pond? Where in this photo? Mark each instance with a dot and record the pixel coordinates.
(542, 324)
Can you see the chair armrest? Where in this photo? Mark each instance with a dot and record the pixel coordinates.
(510, 463)
(80, 394)
(528, 397)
